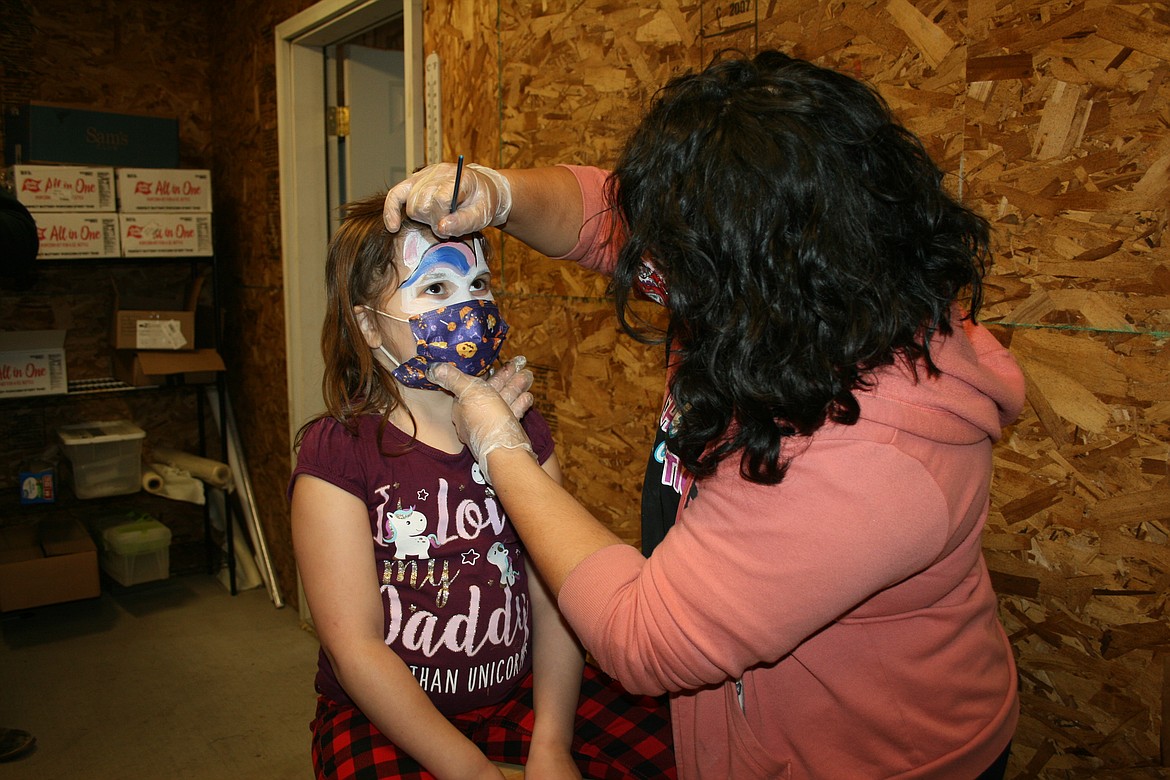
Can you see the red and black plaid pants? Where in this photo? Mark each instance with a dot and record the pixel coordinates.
(618, 736)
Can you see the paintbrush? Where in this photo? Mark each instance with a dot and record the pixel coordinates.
(458, 175)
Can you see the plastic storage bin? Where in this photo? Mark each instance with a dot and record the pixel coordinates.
(106, 457)
(137, 552)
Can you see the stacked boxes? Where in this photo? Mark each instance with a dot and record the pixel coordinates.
(94, 212)
(164, 212)
(73, 207)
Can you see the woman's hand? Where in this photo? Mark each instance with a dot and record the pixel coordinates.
(512, 383)
(484, 198)
(483, 418)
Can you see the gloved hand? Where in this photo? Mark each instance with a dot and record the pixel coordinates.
(484, 198)
(512, 383)
(484, 420)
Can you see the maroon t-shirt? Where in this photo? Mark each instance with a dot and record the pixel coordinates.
(451, 566)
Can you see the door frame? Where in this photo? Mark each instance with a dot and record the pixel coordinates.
(304, 208)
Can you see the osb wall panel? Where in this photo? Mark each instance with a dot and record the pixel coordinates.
(599, 410)
(574, 81)
(599, 391)
(1050, 119)
(1068, 154)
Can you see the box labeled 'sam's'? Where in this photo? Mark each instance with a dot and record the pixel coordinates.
(51, 133)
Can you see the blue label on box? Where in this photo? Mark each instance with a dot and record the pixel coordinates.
(40, 133)
(38, 487)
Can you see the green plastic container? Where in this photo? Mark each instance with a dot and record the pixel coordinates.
(137, 552)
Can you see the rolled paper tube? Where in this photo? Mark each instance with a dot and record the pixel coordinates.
(210, 471)
(152, 481)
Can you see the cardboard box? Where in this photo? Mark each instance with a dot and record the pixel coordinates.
(63, 187)
(163, 189)
(77, 235)
(146, 369)
(165, 234)
(51, 133)
(47, 563)
(32, 362)
(142, 323)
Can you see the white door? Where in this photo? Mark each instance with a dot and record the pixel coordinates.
(367, 152)
(375, 90)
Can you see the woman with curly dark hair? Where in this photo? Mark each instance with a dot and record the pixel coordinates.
(816, 600)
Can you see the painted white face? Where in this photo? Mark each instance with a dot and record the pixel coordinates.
(439, 273)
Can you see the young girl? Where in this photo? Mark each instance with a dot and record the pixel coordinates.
(439, 653)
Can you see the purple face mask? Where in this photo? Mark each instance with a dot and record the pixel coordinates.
(468, 334)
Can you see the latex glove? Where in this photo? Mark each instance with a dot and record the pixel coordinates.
(483, 418)
(512, 383)
(484, 198)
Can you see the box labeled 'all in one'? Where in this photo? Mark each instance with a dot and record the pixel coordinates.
(164, 189)
(77, 235)
(165, 234)
(63, 187)
(32, 362)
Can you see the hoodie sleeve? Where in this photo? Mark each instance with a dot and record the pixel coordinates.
(750, 571)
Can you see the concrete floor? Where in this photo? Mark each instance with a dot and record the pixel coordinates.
(173, 680)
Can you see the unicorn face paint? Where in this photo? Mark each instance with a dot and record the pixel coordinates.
(442, 273)
(447, 301)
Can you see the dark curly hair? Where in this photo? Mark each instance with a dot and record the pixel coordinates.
(805, 238)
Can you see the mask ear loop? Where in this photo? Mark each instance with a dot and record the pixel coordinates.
(382, 347)
(390, 357)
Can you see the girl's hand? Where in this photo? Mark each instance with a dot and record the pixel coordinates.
(546, 762)
(492, 772)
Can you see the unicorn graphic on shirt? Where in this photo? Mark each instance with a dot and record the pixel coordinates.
(497, 555)
(406, 529)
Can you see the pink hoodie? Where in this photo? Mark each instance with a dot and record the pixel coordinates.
(852, 599)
